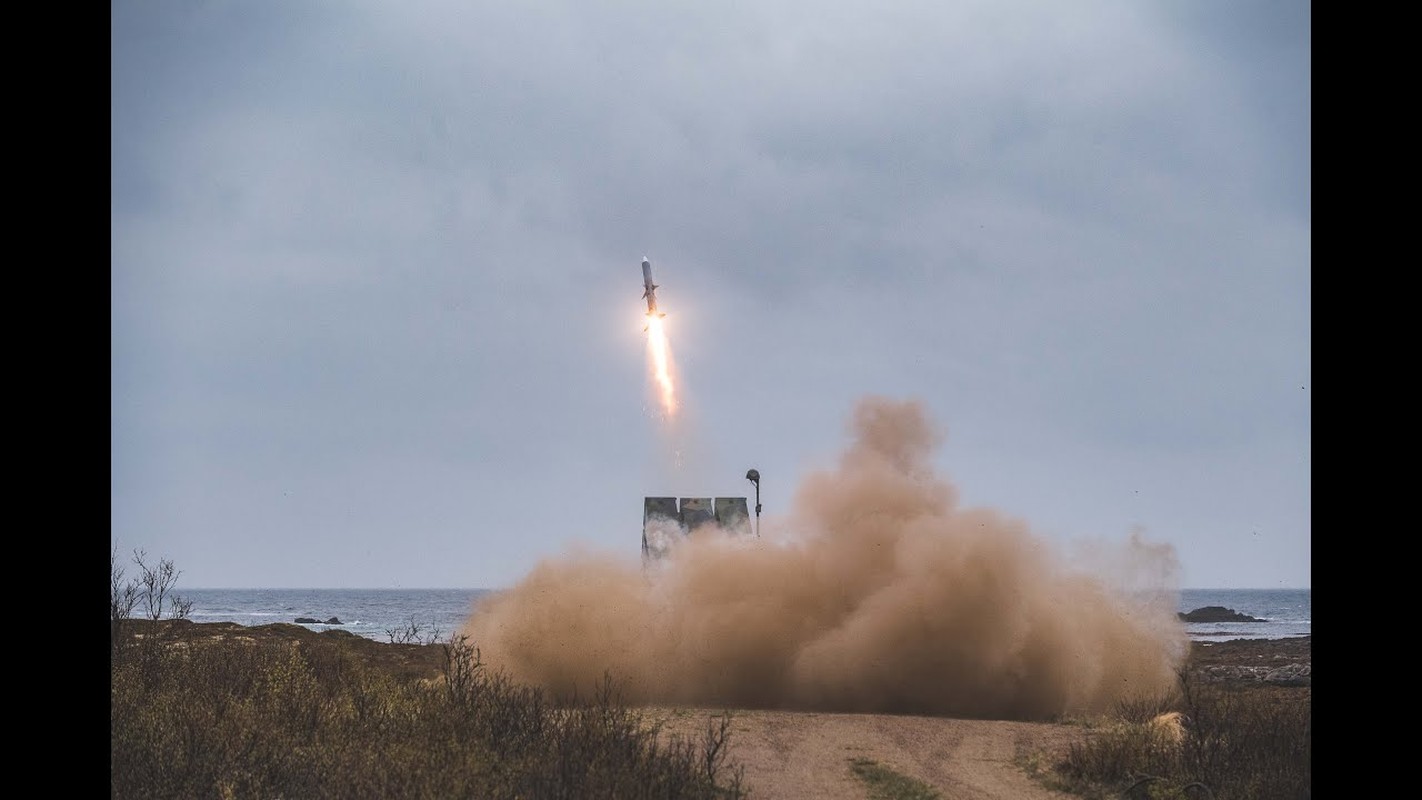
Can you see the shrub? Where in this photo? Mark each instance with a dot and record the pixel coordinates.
(1211, 740)
(239, 717)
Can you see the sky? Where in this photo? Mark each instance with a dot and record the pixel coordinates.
(376, 296)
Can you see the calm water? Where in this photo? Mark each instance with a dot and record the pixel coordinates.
(372, 613)
(376, 613)
(1286, 612)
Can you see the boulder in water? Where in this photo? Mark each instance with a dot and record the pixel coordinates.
(1217, 614)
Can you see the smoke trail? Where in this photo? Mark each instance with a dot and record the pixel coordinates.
(877, 593)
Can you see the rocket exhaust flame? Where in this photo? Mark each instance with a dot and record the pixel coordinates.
(659, 360)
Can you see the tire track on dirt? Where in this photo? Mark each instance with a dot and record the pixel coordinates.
(789, 755)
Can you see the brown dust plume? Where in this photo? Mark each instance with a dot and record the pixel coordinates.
(877, 593)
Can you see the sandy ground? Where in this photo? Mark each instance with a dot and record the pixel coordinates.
(794, 755)
(790, 754)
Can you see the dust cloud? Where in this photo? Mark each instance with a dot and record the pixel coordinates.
(877, 593)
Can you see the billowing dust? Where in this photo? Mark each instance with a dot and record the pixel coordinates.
(877, 593)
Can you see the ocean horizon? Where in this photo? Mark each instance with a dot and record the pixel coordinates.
(438, 614)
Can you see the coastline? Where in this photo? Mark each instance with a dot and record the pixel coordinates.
(1281, 661)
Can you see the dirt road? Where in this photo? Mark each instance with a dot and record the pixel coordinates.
(788, 754)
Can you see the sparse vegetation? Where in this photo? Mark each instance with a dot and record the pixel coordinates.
(887, 784)
(412, 632)
(150, 591)
(1211, 741)
(221, 713)
(276, 717)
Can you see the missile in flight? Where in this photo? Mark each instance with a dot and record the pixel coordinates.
(649, 290)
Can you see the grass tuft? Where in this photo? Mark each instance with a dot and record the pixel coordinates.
(887, 784)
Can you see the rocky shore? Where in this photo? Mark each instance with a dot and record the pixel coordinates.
(1277, 662)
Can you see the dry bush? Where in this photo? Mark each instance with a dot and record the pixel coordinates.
(1225, 742)
(230, 718)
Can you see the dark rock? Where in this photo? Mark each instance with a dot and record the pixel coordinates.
(334, 621)
(1217, 614)
(314, 621)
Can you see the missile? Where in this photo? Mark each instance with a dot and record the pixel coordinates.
(649, 290)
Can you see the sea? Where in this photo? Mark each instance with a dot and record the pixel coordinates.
(436, 615)
(1285, 613)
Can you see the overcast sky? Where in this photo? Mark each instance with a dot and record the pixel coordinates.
(376, 294)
